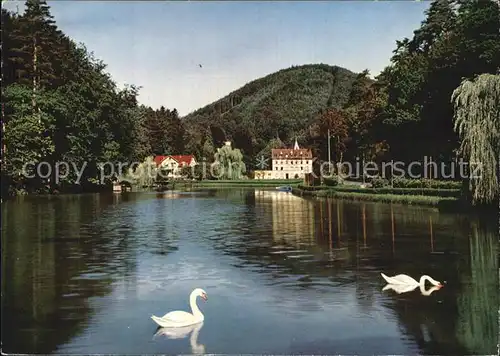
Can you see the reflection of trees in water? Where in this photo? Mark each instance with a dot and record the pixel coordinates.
(293, 241)
(53, 260)
(379, 237)
(478, 327)
(462, 317)
(229, 194)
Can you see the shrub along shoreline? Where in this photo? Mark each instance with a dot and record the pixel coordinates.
(446, 197)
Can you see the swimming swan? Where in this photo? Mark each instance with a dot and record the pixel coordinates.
(409, 281)
(403, 288)
(179, 318)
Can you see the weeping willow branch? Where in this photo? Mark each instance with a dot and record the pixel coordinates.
(477, 121)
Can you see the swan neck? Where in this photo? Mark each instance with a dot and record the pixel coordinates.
(194, 307)
(428, 291)
(426, 278)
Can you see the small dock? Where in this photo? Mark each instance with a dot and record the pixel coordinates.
(117, 187)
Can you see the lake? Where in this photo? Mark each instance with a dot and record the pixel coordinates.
(82, 274)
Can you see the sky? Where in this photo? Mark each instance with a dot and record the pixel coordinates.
(159, 45)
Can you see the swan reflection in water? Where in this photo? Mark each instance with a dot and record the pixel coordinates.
(402, 288)
(183, 332)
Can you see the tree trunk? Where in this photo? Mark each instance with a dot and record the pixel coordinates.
(35, 84)
(340, 163)
(4, 147)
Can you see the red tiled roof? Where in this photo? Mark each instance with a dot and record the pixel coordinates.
(288, 153)
(183, 160)
(159, 159)
(180, 159)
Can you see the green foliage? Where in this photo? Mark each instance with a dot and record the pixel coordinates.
(368, 195)
(379, 182)
(311, 187)
(425, 183)
(61, 105)
(144, 175)
(453, 193)
(273, 144)
(432, 192)
(27, 134)
(477, 120)
(458, 39)
(394, 198)
(333, 181)
(228, 163)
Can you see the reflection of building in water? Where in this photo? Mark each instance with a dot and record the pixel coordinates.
(292, 216)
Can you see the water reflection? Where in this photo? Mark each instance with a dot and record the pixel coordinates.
(402, 288)
(183, 332)
(57, 253)
(49, 246)
(292, 216)
(478, 323)
(77, 269)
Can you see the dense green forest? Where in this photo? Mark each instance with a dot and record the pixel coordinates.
(60, 104)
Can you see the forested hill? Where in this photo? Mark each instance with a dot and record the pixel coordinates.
(283, 104)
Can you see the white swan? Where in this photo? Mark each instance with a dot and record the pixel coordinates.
(179, 318)
(404, 288)
(399, 288)
(409, 281)
(182, 332)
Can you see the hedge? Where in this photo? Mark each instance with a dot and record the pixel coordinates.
(425, 183)
(403, 191)
(392, 198)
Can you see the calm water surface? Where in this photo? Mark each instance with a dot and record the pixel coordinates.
(83, 274)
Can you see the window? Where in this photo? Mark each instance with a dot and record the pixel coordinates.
(281, 168)
(301, 168)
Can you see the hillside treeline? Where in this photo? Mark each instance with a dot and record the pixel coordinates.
(405, 114)
(60, 105)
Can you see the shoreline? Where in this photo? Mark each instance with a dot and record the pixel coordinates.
(250, 183)
(442, 203)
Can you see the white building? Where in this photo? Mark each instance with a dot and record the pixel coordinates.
(291, 163)
(174, 164)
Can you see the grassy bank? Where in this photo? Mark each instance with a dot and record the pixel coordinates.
(446, 198)
(247, 183)
(433, 192)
